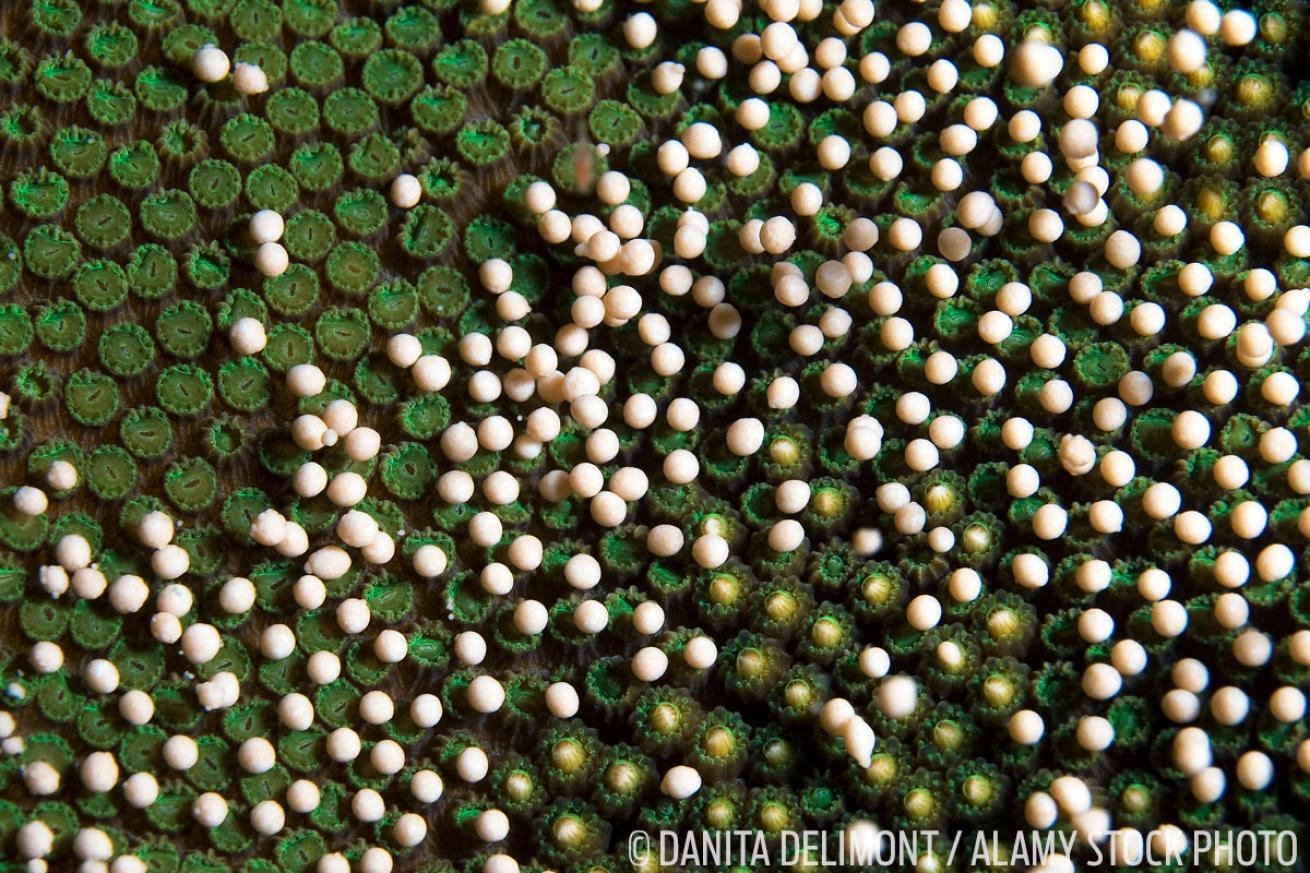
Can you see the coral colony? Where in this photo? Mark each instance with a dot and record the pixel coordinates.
(471, 436)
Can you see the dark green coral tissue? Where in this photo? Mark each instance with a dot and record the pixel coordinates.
(649, 436)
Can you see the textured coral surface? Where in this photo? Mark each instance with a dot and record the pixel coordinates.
(453, 436)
